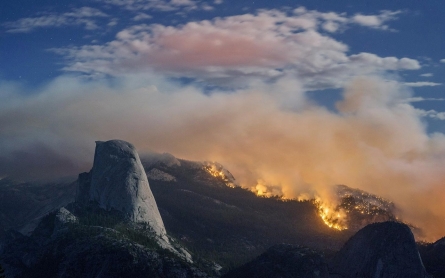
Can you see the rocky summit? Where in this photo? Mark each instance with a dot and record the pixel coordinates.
(113, 229)
(379, 250)
(118, 182)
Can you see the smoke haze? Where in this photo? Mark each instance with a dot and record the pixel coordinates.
(270, 136)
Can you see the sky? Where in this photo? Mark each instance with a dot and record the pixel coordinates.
(292, 97)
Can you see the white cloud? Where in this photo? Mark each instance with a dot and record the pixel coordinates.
(85, 12)
(427, 75)
(409, 64)
(422, 84)
(387, 63)
(432, 114)
(142, 16)
(375, 21)
(113, 22)
(159, 5)
(367, 20)
(331, 26)
(419, 99)
(207, 7)
(78, 17)
(237, 49)
(442, 60)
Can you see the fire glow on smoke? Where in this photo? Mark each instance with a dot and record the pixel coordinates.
(332, 215)
(352, 208)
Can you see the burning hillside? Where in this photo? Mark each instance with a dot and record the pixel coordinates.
(218, 171)
(355, 210)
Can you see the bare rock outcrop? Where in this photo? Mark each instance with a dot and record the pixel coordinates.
(118, 182)
(63, 217)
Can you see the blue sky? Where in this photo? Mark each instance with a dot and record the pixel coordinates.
(31, 32)
(289, 96)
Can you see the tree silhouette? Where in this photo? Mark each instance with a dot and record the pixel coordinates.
(2, 272)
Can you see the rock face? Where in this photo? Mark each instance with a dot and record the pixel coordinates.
(283, 261)
(63, 216)
(383, 249)
(118, 181)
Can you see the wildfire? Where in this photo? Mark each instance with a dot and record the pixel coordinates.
(218, 171)
(262, 189)
(332, 218)
(356, 208)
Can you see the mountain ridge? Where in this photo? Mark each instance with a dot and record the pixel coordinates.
(222, 226)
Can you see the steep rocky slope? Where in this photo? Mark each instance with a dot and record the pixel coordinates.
(118, 182)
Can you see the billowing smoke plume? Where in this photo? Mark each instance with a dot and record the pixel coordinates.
(269, 136)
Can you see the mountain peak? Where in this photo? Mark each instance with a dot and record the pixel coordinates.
(118, 182)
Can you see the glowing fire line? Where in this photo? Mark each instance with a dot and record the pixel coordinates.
(330, 217)
(219, 173)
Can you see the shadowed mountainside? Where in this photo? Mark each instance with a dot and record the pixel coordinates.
(433, 257)
(23, 204)
(230, 225)
(380, 250)
(203, 209)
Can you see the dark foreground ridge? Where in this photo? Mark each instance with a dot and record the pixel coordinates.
(433, 257)
(383, 249)
(284, 261)
(379, 250)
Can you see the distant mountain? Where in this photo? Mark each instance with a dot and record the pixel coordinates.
(23, 204)
(201, 207)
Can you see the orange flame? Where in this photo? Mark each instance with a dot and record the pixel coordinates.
(331, 217)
